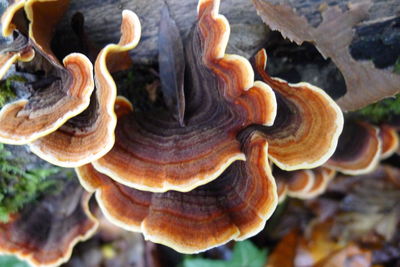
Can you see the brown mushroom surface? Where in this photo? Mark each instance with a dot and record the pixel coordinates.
(234, 206)
(90, 135)
(155, 151)
(12, 18)
(19, 50)
(45, 232)
(322, 177)
(297, 182)
(282, 189)
(358, 150)
(303, 184)
(389, 139)
(61, 93)
(307, 126)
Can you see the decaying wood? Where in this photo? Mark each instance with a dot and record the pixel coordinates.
(373, 44)
(102, 22)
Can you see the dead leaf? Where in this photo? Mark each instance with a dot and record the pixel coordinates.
(365, 83)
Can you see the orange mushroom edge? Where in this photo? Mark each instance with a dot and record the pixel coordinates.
(323, 176)
(12, 17)
(155, 152)
(19, 49)
(298, 182)
(389, 139)
(90, 135)
(65, 89)
(308, 123)
(359, 149)
(302, 184)
(233, 207)
(45, 232)
(282, 189)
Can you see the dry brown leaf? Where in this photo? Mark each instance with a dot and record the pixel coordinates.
(365, 83)
(371, 205)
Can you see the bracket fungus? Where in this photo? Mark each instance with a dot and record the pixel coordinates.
(389, 139)
(199, 165)
(234, 206)
(82, 132)
(191, 146)
(45, 232)
(19, 49)
(192, 175)
(155, 152)
(308, 122)
(61, 93)
(359, 149)
(90, 135)
(303, 184)
(295, 183)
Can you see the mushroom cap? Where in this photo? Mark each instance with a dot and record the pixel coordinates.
(308, 123)
(90, 135)
(322, 177)
(26, 120)
(8, 19)
(298, 182)
(45, 232)
(389, 139)
(303, 184)
(44, 15)
(62, 94)
(19, 49)
(358, 150)
(282, 189)
(152, 150)
(234, 206)
(9, 58)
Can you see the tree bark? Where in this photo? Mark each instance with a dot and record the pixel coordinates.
(377, 37)
(103, 17)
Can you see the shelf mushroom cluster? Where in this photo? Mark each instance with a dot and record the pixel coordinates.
(193, 175)
(360, 149)
(61, 93)
(66, 120)
(197, 178)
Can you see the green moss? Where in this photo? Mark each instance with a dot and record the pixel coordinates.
(20, 186)
(382, 110)
(139, 85)
(6, 89)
